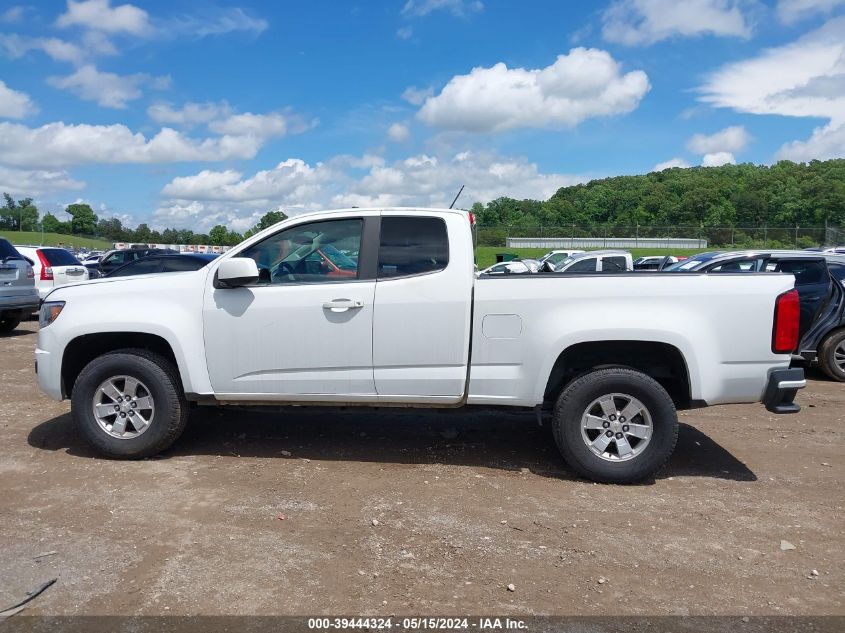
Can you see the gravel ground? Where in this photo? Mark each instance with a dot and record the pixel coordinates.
(358, 512)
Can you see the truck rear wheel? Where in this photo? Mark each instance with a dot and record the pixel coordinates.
(831, 355)
(129, 404)
(615, 425)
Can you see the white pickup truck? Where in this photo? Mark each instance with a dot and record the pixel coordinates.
(381, 307)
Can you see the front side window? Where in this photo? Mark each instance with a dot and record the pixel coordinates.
(181, 263)
(412, 246)
(142, 267)
(586, 265)
(315, 252)
(115, 259)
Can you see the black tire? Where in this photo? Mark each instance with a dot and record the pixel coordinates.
(572, 405)
(9, 321)
(161, 378)
(827, 355)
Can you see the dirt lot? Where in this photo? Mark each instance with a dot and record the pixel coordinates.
(253, 513)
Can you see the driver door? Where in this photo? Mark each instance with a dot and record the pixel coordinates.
(300, 332)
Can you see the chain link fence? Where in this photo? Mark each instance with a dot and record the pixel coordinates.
(622, 236)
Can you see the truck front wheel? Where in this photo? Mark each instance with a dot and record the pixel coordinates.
(615, 425)
(129, 404)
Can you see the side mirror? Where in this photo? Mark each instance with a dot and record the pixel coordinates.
(236, 271)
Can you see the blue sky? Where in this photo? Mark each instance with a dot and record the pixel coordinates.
(191, 113)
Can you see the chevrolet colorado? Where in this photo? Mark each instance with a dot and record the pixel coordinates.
(612, 356)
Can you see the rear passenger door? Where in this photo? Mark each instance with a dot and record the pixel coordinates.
(812, 282)
(421, 320)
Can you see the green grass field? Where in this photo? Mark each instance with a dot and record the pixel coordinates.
(34, 238)
(486, 255)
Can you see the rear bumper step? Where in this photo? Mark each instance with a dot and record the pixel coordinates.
(780, 392)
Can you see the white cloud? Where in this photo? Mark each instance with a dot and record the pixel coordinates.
(99, 15)
(227, 196)
(214, 22)
(825, 142)
(634, 22)
(582, 84)
(718, 158)
(417, 96)
(398, 132)
(731, 139)
(190, 114)
(404, 33)
(791, 11)
(459, 8)
(59, 144)
(15, 46)
(24, 182)
(805, 78)
(260, 125)
(107, 89)
(672, 162)
(14, 104)
(13, 14)
(221, 119)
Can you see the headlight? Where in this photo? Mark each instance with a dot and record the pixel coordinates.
(50, 310)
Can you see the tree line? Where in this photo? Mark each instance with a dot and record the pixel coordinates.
(23, 215)
(785, 194)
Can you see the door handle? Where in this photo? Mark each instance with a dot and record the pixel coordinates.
(342, 305)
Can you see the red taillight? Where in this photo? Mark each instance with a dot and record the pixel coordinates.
(46, 271)
(472, 219)
(787, 320)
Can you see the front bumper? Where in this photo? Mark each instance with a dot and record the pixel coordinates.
(780, 392)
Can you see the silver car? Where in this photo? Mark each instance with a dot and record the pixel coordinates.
(18, 296)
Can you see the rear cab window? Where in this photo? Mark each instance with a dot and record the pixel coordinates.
(412, 246)
(613, 264)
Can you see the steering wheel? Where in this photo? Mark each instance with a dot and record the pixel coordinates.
(284, 268)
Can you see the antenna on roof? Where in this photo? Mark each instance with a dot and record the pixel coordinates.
(456, 197)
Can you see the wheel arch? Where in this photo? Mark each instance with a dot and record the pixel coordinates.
(662, 361)
(84, 348)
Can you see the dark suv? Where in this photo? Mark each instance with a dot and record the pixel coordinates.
(114, 259)
(820, 282)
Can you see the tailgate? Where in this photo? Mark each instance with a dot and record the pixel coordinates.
(13, 279)
(69, 274)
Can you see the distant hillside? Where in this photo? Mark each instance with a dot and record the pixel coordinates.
(784, 194)
(34, 238)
